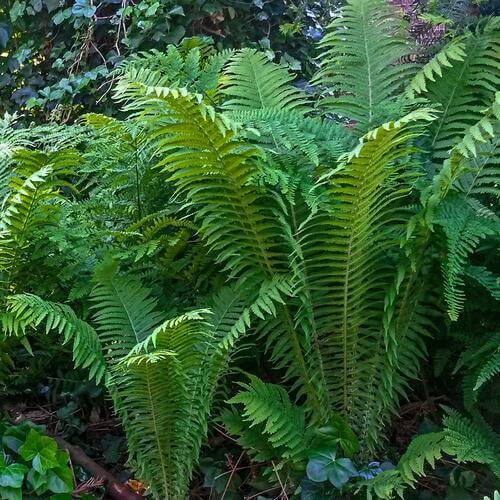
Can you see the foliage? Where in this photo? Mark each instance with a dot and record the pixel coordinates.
(231, 222)
(59, 55)
(32, 464)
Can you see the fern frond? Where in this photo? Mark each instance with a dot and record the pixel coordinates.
(345, 252)
(268, 407)
(359, 64)
(280, 130)
(163, 410)
(464, 229)
(469, 441)
(485, 278)
(125, 313)
(214, 172)
(251, 81)
(453, 51)
(488, 370)
(194, 66)
(28, 310)
(30, 205)
(426, 448)
(465, 89)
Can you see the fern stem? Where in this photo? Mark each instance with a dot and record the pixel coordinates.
(157, 432)
(299, 356)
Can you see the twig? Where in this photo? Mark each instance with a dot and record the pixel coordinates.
(231, 475)
(114, 488)
(260, 492)
(279, 480)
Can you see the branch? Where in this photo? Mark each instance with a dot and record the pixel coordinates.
(114, 488)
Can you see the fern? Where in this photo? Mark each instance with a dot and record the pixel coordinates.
(27, 310)
(268, 408)
(453, 51)
(359, 64)
(465, 89)
(425, 448)
(282, 132)
(464, 229)
(344, 252)
(485, 278)
(252, 82)
(471, 441)
(33, 188)
(194, 65)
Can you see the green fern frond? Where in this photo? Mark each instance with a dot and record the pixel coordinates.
(488, 370)
(280, 130)
(268, 407)
(159, 379)
(359, 63)
(125, 313)
(251, 81)
(453, 51)
(482, 131)
(465, 89)
(195, 66)
(163, 409)
(33, 192)
(464, 229)
(215, 174)
(470, 441)
(426, 448)
(485, 278)
(345, 252)
(28, 310)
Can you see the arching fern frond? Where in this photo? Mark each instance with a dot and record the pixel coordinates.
(251, 81)
(268, 409)
(214, 172)
(465, 89)
(485, 278)
(359, 64)
(345, 252)
(163, 410)
(464, 229)
(426, 448)
(453, 51)
(28, 310)
(471, 441)
(281, 131)
(30, 205)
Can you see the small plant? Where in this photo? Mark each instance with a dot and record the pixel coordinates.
(32, 464)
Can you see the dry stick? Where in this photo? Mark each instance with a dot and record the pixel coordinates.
(114, 488)
(279, 479)
(231, 475)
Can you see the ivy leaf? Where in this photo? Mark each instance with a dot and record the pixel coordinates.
(341, 471)
(51, 4)
(325, 465)
(11, 493)
(37, 5)
(14, 437)
(37, 481)
(61, 16)
(177, 11)
(12, 476)
(42, 450)
(82, 8)
(317, 468)
(17, 10)
(60, 480)
(4, 35)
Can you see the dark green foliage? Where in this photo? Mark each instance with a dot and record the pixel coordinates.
(59, 55)
(32, 464)
(226, 223)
